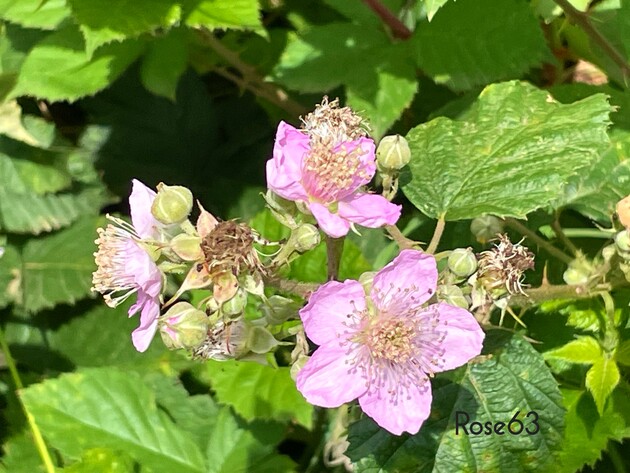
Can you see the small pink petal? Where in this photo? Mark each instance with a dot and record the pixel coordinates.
(140, 202)
(407, 415)
(284, 170)
(327, 380)
(143, 269)
(329, 308)
(369, 210)
(330, 223)
(143, 335)
(406, 283)
(464, 337)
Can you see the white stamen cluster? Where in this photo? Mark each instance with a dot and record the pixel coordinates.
(505, 264)
(330, 125)
(225, 341)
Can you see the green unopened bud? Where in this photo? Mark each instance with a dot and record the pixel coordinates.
(278, 309)
(187, 247)
(236, 305)
(183, 326)
(393, 153)
(578, 273)
(462, 262)
(172, 204)
(622, 241)
(486, 228)
(608, 252)
(305, 237)
(259, 340)
(452, 295)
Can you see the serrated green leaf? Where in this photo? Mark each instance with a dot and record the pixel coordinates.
(586, 433)
(57, 68)
(164, 63)
(622, 354)
(258, 392)
(102, 460)
(584, 350)
(464, 46)
(46, 15)
(58, 268)
(510, 154)
(237, 446)
(108, 408)
(15, 42)
(23, 212)
(514, 379)
(222, 14)
(601, 379)
(103, 21)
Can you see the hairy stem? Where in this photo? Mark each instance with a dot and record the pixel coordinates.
(334, 249)
(302, 289)
(437, 235)
(399, 30)
(250, 78)
(37, 435)
(548, 292)
(560, 235)
(552, 250)
(582, 20)
(401, 240)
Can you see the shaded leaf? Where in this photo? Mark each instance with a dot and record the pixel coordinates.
(164, 63)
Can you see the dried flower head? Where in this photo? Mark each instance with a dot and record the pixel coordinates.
(504, 265)
(225, 341)
(331, 125)
(229, 247)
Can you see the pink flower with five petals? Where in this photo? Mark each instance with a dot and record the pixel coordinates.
(383, 347)
(327, 177)
(125, 267)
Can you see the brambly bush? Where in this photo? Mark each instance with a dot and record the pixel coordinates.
(315, 235)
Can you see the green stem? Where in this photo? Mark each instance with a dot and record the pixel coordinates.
(37, 435)
(582, 20)
(303, 289)
(560, 235)
(548, 292)
(401, 240)
(587, 233)
(334, 249)
(437, 236)
(552, 250)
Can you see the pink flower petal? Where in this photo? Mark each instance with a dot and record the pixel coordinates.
(143, 335)
(364, 149)
(330, 223)
(407, 415)
(284, 170)
(140, 202)
(369, 210)
(326, 379)
(143, 269)
(329, 308)
(464, 337)
(406, 283)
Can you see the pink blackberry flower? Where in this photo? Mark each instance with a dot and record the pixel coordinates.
(383, 347)
(124, 266)
(324, 166)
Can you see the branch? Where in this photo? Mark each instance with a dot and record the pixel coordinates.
(582, 20)
(401, 240)
(302, 289)
(548, 292)
(334, 248)
(399, 30)
(437, 236)
(552, 250)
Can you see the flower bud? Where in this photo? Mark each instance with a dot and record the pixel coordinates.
(236, 305)
(278, 309)
(183, 326)
(578, 272)
(393, 153)
(187, 247)
(305, 237)
(172, 204)
(486, 228)
(462, 262)
(622, 241)
(259, 340)
(608, 252)
(452, 295)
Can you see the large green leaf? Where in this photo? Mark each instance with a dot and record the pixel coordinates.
(46, 14)
(515, 379)
(510, 154)
(57, 268)
(108, 408)
(165, 62)
(58, 68)
(236, 446)
(104, 21)
(258, 392)
(587, 433)
(585, 350)
(223, 14)
(467, 45)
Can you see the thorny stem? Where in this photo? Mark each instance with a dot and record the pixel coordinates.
(303, 289)
(251, 79)
(557, 230)
(401, 240)
(37, 435)
(334, 249)
(552, 250)
(548, 292)
(399, 30)
(437, 235)
(583, 21)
